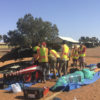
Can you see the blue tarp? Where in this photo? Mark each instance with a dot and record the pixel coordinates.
(95, 78)
(21, 84)
(91, 65)
(72, 86)
(66, 87)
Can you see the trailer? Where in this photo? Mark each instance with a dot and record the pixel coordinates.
(31, 74)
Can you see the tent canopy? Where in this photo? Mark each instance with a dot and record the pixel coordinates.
(68, 39)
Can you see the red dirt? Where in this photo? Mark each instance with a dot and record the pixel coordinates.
(89, 92)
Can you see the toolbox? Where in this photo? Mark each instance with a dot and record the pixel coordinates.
(35, 92)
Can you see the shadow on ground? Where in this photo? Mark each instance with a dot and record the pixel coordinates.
(72, 70)
(23, 98)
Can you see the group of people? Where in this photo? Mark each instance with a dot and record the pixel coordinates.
(51, 60)
(78, 55)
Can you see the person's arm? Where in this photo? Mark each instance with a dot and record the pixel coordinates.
(72, 52)
(38, 54)
(47, 51)
(84, 50)
(62, 49)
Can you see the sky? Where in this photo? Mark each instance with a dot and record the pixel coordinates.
(74, 18)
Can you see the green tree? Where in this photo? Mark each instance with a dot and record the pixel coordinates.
(36, 30)
(93, 40)
(31, 30)
(0, 37)
(14, 38)
(82, 39)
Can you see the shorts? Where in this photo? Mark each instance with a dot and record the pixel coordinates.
(52, 60)
(58, 60)
(74, 60)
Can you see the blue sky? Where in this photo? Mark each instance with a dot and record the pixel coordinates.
(74, 18)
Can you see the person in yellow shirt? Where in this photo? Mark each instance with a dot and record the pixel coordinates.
(43, 60)
(54, 59)
(64, 59)
(36, 48)
(82, 54)
(75, 55)
(36, 55)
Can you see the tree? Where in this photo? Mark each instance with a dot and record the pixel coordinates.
(0, 37)
(92, 40)
(82, 39)
(14, 38)
(31, 30)
(95, 41)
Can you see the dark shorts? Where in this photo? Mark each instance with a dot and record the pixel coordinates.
(52, 63)
(52, 60)
(58, 60)
(75, 60)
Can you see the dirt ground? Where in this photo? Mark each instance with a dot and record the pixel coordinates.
(89, 92)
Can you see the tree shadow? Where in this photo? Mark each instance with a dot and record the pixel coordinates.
(23, 98)
(8, 92)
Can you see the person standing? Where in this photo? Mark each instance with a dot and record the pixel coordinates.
(82, 54)
(54, 59)
(36, 55)
(36, 48)
(64, 59)
(75, 55)
(43, 60)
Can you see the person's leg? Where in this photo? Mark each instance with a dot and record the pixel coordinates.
(75, 62)
(54, 69)
(41, 67)
(60, 68)
(43, 78)
(57, 64)
(66, 67)
(47, 73)
(44, 72)
(50, 64)
(63, 67)
(80, 62)
(83, 62)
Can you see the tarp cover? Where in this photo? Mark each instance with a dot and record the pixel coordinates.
(72, 86)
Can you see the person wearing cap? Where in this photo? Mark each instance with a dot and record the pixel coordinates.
(64, 59)
(43, 60)
(75, 55)
(54, 59)
(82, 54)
